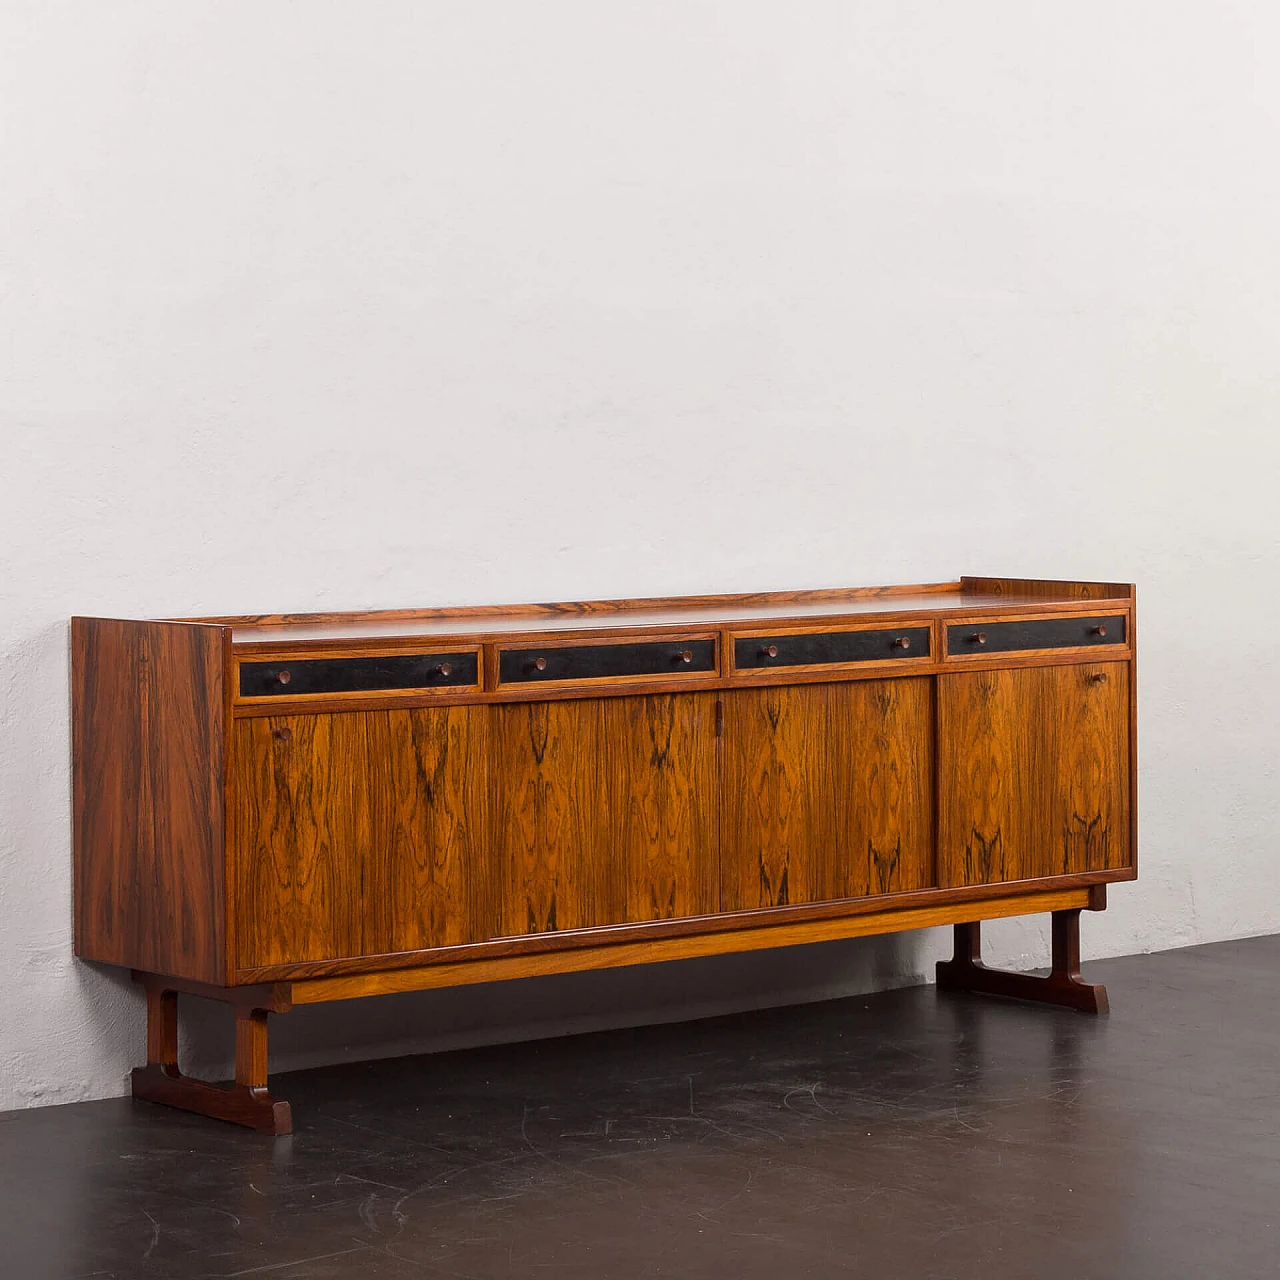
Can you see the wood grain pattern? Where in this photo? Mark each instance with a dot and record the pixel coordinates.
(828, 792)
(779, 840)
(565, 609)
(1034, 772)
(436, 815)
(663, 785)
(614, 955)
(359, 832)
(148, 717)
(882, 740)
(605, 811)
(162, 1027)
(660, 610)
(335, 637)
(385, 832)
(397, 841)
(251, 1048)
(687, 926)
(294, 817)
(551, 841)
(1047, 588)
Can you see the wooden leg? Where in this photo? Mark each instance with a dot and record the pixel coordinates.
(246, 1102)
(251, 1048)
(162, 1027)
(966, 972)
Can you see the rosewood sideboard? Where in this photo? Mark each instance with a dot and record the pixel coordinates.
(279, 810)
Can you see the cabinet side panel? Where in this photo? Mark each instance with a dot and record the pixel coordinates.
(148, 710)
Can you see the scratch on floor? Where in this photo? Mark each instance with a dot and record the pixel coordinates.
(155, 1234)
(724, 1204)
(811, 1092)
(437, 1269)
(714, 1127)
(442, 1178)
(296, 1262)
(370, 1182)
(560, 1164)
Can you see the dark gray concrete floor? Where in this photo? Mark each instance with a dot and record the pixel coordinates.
(899, 1135)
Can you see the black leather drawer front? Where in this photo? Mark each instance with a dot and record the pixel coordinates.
(599, 661)
(357, 675)
(756, 652)
(973, 639)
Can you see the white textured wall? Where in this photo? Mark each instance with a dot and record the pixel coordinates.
(343, 304)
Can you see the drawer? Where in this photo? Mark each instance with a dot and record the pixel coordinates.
(829, 648)
(974, 639)
(655, 658)
(291, 677)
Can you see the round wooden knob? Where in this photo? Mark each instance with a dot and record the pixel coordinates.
(1099, 631)
(902, 642)
(283, 677)
(539, 664)
(769, 651)
(979, 637)
(1098, 677)
(445, 669)
(685, 655)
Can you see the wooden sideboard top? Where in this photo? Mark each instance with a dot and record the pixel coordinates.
(965, 596)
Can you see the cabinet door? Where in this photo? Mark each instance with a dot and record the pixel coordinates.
(1033, 773)
(828, 792)
(605, 811)
(360, 834)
